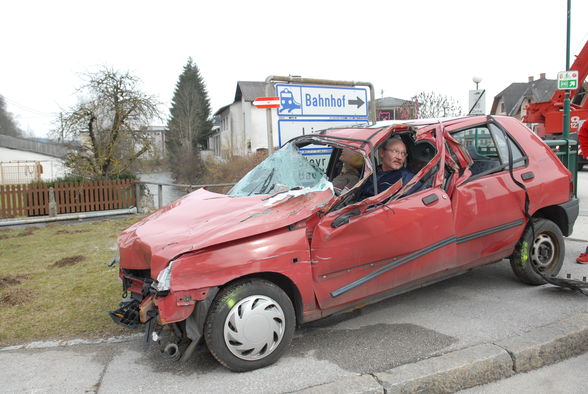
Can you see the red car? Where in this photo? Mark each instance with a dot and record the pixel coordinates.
(240, 271)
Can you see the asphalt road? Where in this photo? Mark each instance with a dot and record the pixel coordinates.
(482, 306)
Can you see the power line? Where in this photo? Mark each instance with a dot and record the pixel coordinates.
(26, 108)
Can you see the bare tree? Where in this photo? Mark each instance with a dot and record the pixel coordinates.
(433, 105)
(110, 124)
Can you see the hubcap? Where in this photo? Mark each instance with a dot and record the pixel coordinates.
(254, 327)
(544, 252)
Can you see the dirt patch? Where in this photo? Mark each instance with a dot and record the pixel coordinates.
(68, 261)
(11, 280)
(24, 233)
(17, 296)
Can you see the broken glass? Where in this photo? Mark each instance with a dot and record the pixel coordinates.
(285, 170)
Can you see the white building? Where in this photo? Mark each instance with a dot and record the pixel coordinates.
(25, 160)
(240, 128)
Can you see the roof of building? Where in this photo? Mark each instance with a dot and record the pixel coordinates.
(33, 145)
(537, 91)
(250, 90)
(386, 102)
(222, 109)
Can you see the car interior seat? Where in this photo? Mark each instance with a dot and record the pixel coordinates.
(481, 162)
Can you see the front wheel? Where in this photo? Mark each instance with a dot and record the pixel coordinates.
(544, 252)
(250, 325)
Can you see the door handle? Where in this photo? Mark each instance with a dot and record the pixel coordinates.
(528, 175)
(344, 219)
(428, 200)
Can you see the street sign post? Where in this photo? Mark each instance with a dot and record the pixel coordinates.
(477, 102)
(567, 80)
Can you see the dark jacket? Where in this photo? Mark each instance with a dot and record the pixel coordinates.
(385, 179)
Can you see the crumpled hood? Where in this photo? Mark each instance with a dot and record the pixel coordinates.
(202, 219)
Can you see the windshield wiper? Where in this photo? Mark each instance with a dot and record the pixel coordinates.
(267, 181)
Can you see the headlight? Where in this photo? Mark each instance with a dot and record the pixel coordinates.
(164, 278)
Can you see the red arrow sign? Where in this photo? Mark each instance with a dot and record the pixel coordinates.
(267, 102)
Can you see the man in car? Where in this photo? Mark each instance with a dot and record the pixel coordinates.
(393, 157)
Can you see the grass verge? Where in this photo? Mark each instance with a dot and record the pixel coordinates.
(54, 281)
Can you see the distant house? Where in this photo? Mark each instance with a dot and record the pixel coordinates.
(240, 128)
(513, 100)
(156, 135)
(392, 108)
(25, 160)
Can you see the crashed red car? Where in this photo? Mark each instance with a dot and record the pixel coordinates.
(239, 272)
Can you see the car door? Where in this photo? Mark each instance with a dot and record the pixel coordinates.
(380, 244)
(489, 207)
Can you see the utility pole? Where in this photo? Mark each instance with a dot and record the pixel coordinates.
(566, 117)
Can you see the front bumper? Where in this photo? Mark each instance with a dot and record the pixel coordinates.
(128, 314)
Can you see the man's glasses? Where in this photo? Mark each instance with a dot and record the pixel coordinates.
(397, 152)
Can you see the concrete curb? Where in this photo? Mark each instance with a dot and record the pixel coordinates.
(549, 344)
(71, 342)
(67, 216)
(476, 365)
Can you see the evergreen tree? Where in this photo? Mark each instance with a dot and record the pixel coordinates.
(189, 125)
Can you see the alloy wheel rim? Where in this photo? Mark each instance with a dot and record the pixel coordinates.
(254, 327)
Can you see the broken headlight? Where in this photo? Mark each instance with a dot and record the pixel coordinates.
(164, 278)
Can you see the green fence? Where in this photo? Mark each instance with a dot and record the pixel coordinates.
(567, 151)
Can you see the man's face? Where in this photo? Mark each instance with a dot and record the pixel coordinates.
(393, 156)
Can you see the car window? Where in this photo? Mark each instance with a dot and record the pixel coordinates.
(482, 149)
(501, 142)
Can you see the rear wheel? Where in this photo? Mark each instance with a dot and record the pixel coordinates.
(250, 325)
(542, 251)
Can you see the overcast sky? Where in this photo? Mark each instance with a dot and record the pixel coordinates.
(401, 47)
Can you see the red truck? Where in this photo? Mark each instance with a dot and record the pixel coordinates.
(239, 272)
(546, 117)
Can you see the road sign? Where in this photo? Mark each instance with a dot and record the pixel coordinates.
(288, 129)
(319, 155)
(567, 80)
(317, 100)
(267, 102)
(477, 102)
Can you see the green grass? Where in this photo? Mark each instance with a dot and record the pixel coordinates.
(42, 297)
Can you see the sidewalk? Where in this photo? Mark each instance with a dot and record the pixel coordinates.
(476, 365)
(48, 366)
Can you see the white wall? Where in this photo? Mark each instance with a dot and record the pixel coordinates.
(52, 167)
(243, 129)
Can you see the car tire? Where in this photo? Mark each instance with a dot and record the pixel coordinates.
(546, 252)
(249, 325)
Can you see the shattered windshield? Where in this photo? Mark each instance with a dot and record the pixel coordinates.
(285, 170)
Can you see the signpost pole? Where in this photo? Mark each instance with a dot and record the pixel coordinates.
(566, 114)
(268, 116)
